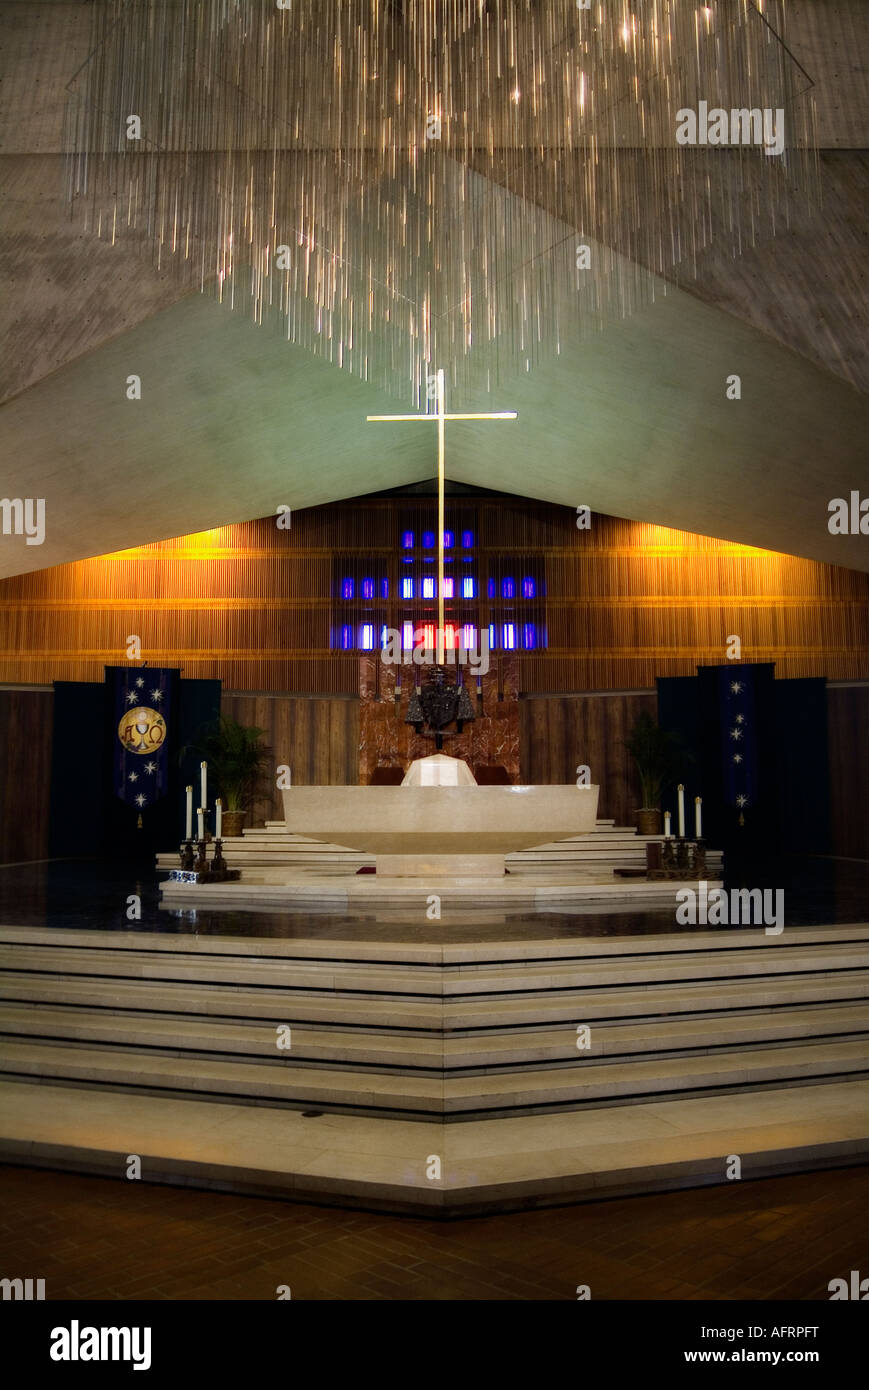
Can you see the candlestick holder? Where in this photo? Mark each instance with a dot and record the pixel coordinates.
(200, 870)
(681, 859)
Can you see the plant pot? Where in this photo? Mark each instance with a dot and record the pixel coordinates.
(649, 821)
(232, 823)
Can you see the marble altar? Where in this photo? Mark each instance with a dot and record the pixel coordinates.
(450, 826)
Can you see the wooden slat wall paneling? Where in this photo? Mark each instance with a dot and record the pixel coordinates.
(624, 603)
(317, 737)
(26, 722)
(558, 733)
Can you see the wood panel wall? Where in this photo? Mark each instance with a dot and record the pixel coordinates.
(848, 743)
(559, 733)
(26, 720)
(318, 739)
(260, 607)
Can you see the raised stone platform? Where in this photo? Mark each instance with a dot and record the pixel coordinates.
(599, 851)
(347, 892)
(576, 873)
(700, 1045)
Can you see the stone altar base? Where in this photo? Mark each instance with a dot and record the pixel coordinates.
(454, 866)
(292, 892)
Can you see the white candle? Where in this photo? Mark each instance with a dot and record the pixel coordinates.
(667, 824)
(201, 819)
(188, 819)
(203, 797)
(698, 831)
(681, 791)
(218, 812)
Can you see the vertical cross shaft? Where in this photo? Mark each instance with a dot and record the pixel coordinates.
(441, 417)
(442, 432)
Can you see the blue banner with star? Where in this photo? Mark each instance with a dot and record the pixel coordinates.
(738, 721)
(142, 713)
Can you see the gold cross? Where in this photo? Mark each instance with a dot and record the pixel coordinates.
(441, 417)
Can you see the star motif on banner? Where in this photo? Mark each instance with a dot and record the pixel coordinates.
(736, 687)
(132, 777)
(736, 733)
(150, 767)
(737, 757)
(141, 800)
(131, 697)
(156, 696)
(140, 682)
(742, 801)
(740, 719)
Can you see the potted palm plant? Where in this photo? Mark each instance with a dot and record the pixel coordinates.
(655, 752)
(237, 758)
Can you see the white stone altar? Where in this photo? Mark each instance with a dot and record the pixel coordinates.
(439, 821)
(439, 771)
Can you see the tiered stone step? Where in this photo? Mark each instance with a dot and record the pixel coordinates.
(259, 851)
(435, 1032)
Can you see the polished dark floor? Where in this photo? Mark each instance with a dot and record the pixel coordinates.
(93, 894)
(95, 1238)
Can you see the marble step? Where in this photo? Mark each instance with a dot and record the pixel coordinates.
(320, 976)
(450, 982)
(279, 827)
(454, 1097)
(438, 951)
(589, 842)
(321, 894)
(178, 1034)
(517, 1161)
(607, 846)
(611, 1081)
(524, 1011)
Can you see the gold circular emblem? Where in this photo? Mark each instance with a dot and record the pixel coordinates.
(142, 730)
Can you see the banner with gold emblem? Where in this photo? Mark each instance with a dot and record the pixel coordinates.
(142, 714)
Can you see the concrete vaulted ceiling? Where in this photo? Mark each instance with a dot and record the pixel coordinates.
(234, 421)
